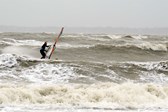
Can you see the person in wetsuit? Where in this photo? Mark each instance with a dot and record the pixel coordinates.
(43, 51)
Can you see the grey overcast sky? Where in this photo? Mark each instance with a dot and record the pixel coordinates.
(87, 13)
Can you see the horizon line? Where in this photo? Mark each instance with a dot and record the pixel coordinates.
(84, 27)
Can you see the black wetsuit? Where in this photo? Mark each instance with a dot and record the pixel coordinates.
(42, 50)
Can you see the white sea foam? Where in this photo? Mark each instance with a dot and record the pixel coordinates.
(153, 46)
(153, 77)
(68, 46)
(7, 60)
(49, 32)
(72, 35)
(40, 73)
(52, 108)
(99, 39)
(21, 51)
(15, 42)
(150, 72)
(161, 65)
(48, 73)
(146, 46)
(106, 95)
(115, 36)
(139, 37)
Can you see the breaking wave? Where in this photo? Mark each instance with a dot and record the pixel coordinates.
(9, 41)
(143, 46)
(24, 69)
(7, 60)
(126, 95)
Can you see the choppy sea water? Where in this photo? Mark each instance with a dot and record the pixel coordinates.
(87, 72)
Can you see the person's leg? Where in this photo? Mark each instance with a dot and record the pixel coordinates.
(43, 54)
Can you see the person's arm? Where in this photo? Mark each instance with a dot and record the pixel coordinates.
(48, 45)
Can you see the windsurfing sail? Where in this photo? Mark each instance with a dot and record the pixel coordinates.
(52, 48)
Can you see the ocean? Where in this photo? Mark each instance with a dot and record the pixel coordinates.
(86, 73)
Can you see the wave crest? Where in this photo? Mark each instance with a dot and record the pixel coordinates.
(143, 46)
